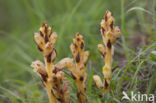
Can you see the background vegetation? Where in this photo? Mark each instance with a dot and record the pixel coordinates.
(135, 51)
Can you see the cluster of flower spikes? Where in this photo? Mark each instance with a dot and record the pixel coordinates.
(52, 75)
(109, 35)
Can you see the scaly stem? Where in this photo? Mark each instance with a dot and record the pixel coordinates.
(50, 93)
(81, 95)
(107, 68)
(49, 84)
(108, 58)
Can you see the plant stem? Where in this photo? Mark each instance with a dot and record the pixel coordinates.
(52, 99)
(50, 94)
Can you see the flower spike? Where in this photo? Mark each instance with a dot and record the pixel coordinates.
(78, 71)
(109, 35)
(51, 75)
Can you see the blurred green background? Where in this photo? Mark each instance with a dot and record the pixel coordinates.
(135, 51)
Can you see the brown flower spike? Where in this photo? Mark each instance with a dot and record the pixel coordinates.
(51, 75)
(78, 72)
(109, 34)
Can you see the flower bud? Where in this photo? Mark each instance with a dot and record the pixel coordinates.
(39, 39)
(98, 81)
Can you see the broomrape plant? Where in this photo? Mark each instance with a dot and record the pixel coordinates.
(52, 75)
(78, 71)
(109, 35)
